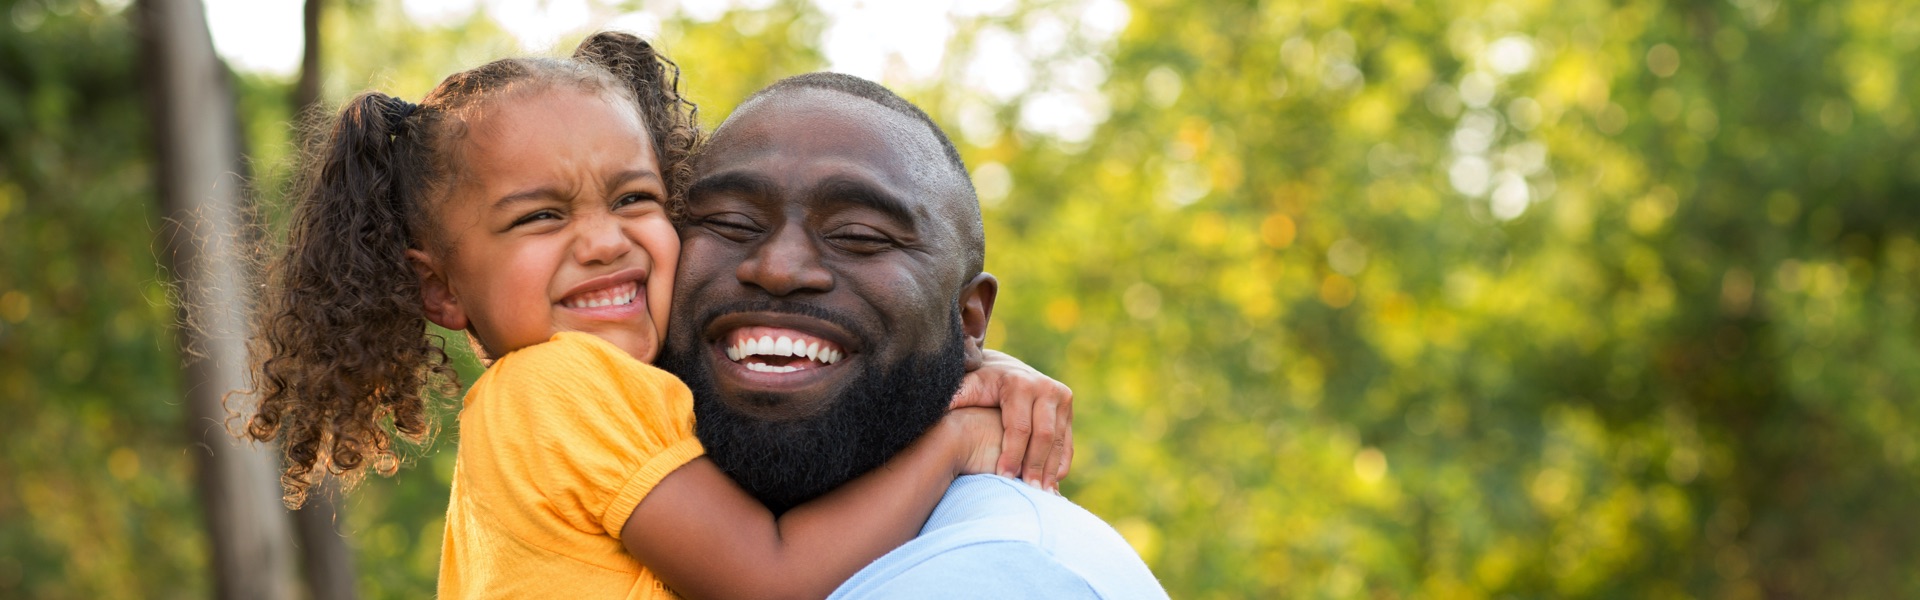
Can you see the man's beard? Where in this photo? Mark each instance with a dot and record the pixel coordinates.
(786, 463)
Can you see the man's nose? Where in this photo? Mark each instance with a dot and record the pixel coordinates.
(787, 262)
(600, 241)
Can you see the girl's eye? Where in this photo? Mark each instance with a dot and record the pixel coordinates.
(539, 215)
(634, 198)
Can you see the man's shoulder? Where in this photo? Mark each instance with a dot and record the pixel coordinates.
(997, 537)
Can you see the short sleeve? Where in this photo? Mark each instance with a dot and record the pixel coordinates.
(579, 427)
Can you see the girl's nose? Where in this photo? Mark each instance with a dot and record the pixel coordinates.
(600, 240)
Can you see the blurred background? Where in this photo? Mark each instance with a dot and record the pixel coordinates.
(1385, 298)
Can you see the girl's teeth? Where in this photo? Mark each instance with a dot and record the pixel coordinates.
(618, 296)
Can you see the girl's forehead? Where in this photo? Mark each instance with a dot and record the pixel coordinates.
(532, 127)
(560, 138)
(524, 109)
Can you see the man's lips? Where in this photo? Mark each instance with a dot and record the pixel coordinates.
(776, 348)
(780, 350)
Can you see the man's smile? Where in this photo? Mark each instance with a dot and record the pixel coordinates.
(794, 356)
(780, 350)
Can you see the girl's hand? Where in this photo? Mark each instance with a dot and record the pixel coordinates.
(1036, 411)
(976, 434)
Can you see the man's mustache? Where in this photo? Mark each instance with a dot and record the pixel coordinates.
(802, 309)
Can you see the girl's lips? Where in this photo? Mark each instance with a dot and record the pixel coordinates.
(635, 275)
(618, 296)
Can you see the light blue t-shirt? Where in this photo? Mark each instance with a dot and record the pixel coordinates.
(994, 537)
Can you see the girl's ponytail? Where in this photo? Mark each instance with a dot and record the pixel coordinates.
(654, 82)
(341, 348)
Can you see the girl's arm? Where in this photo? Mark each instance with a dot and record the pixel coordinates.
(707, 538)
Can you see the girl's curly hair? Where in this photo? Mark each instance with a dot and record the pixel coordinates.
(343, 361)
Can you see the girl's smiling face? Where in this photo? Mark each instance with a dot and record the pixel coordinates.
(556, 222)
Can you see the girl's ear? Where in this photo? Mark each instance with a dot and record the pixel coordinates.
(436, 296)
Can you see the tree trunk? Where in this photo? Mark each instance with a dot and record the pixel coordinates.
(306, 94)
(197, 142)
(325, 559)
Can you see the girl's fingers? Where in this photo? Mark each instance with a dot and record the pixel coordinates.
(973, 392)
(1016, 413)
(1066, 462)
(1062, 452)
(1040, 447)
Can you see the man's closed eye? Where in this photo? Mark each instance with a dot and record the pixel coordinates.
(733, 226)
(860, 239)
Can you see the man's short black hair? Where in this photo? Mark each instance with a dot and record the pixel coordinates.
(879, 94)
(971, 228)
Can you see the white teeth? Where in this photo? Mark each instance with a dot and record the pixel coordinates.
(768, 345)
(601, 298)
(766, 368)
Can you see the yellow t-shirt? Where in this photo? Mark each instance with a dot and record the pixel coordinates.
(559, 441)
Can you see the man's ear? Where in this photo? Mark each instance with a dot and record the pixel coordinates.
(436, 296)
(976, 309)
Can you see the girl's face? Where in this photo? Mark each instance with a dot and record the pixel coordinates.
(555, 223)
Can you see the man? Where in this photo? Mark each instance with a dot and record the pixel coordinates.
(829, 210)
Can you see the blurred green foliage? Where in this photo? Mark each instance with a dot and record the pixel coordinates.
(1456, 299)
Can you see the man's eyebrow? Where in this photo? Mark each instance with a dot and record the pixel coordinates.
(863, 193)
(750, 184)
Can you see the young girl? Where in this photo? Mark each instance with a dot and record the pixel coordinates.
(526, 202)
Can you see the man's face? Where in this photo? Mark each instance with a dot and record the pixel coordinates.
(824, 312)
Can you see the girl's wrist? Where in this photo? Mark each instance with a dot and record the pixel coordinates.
(950, 438)
(973, 439)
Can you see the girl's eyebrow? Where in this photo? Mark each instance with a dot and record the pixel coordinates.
(527, 195)
(552, 192)
(624, 177)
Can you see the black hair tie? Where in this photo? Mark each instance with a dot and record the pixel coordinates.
(399, 117)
